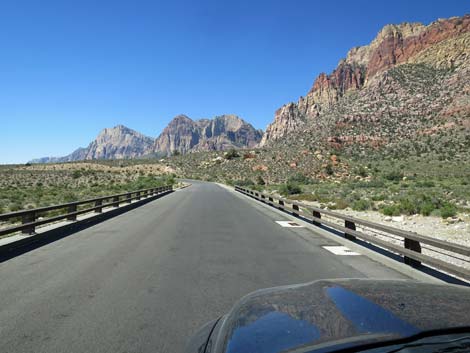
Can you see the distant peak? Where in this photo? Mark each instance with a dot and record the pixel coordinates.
(182, 117)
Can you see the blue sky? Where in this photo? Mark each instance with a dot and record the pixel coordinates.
(70, 68)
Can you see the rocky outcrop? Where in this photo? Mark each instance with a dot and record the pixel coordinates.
(223, 132)
(441, 44)
(182, 134)
(118, 142)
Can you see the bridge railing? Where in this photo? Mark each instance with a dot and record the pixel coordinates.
(30, 219)
(412, 244)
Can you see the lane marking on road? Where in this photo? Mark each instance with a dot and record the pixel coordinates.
(341, 250)
(289, 224)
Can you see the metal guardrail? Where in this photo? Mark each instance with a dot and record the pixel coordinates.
(29, 218)
(411, 251)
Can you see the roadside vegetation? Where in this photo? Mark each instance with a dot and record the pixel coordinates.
(392, 188)
(32, 186)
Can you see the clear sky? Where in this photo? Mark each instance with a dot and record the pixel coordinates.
(70, 68)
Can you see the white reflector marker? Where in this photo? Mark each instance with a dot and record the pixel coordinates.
(341, 250)
(289, 224)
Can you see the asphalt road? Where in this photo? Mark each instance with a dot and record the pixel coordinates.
(144, 281)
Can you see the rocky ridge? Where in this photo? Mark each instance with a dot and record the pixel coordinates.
(118, 142)
(223, 132)
(442, 44)
(182, 135)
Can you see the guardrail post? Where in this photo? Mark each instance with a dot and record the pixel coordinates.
(271, 200)
(97, 204)
(316, 214)
(129, 198)
(295, 208)
(137, 196)
(70, 209)
(281, 205)
(29, 218)
(116, 201)
(415, 246)
(352, 226)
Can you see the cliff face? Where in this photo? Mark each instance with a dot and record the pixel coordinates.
(118, 142)
(442, 44)
(184, 135)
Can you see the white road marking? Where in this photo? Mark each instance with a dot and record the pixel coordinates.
(289, 224)
(340, 250)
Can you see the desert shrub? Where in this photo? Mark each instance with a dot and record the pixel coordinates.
(341, 204)
(76, 174)
(260, 180)
(378, 197)
(245, 182)
(305, 197)
(232, 153)
(361, 171)
(391, 210)
(290, 189)
(426, 208)
(393, 175)
(361, 205)
(329, 169)
(425, 184)
(300, 179)
(448, 210)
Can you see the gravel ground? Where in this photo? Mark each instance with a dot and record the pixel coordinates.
(455, 231)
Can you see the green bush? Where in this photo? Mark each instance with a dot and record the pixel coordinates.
(341, 204)
(260, 180)
(361, 171)
(231, 154)
(448, 210)
(245, 182)
(361, 205)
(329, 169)
(394, 175)
(299, 178)
(391, 210)
(425, 184)
(290, 189)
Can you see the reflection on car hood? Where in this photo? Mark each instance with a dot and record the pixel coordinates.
(328, 314)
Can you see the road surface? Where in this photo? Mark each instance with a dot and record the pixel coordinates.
(144, 281)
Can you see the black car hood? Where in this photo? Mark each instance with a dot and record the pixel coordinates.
(330, 314)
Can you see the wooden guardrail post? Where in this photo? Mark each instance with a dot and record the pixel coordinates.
(98, 203)
(295, 210)
(29, 218)
(129, 198)
(415, 246)
(116, 201)
(137, 196)
(316, 214)
(281, 205)
(352, 226)
(70, 209)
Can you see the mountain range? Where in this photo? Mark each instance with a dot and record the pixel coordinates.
(182, 135)
(408, 91)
